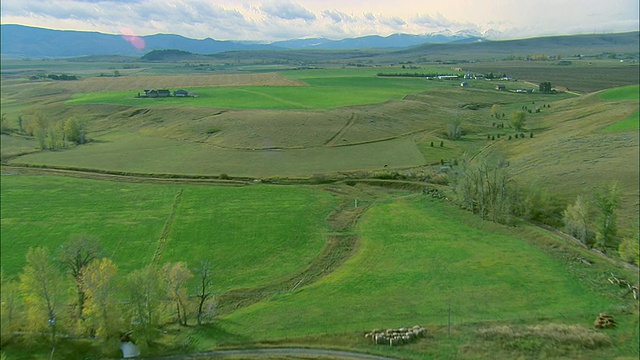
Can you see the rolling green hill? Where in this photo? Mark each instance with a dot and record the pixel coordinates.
(320, 196)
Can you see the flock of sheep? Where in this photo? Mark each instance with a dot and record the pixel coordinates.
(394, 337)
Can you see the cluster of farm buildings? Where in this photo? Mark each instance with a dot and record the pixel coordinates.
(499, 87)
(165, 93)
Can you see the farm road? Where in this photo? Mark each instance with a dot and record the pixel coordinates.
(289, 353)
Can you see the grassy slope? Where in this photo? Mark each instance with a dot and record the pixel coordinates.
(416, 257)
(150, 154)
(623, 93)
(572, 145)
(286, 228)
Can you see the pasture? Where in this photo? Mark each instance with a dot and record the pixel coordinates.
(326, 90)
(252, 235)
(412, 256)
(577, 146)
(417, 257)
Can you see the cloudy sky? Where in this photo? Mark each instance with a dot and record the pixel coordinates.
(271, 20)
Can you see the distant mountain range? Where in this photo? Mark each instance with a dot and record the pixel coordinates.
(394, 41)
(25, 41)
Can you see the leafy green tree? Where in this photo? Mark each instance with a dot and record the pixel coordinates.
(99, 284)
(629, 250)
(606, 200)
(41, 282)
(577, 219)
(10, 310)
(39, 129)
(518, 120)
(145, 290)
(534, 202)
(545, 87)
(495, 110)
(176, 275)
(75, 130)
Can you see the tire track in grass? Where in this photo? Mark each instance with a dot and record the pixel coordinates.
(167, 228)
(275, 98)
(333, 140)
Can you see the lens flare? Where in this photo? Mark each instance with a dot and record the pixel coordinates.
(129, 36)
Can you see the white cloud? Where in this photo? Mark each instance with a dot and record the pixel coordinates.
(285, 19)
(286, 10)
(337, 16)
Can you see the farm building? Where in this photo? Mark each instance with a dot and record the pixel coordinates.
(501, 87)
(448, 77)
(166, 93)
(157, 93)
(181, 93)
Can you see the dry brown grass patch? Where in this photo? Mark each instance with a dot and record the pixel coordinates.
(139, 83)
(556, 334)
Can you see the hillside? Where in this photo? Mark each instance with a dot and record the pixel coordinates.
(25, 42)
(567, 46)
(574, 153)
(319, 195)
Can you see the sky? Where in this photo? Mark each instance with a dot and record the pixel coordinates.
(273, 20)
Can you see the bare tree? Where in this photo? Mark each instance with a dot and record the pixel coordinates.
(76, 254)
(176, 276)
(203, 274)
(485, 188)
(454, 129)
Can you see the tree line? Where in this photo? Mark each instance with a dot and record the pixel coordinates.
(592, 220)
(49, 134)
(77, 291)
(488, 187)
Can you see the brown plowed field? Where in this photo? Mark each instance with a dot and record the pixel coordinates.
(582, 76)
(123, 83)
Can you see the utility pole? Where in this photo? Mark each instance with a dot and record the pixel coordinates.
(449, 322)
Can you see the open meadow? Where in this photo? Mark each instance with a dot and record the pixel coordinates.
(271, 231)
(415, 258)
(320, 196)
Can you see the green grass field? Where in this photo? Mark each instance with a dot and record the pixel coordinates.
(416, 257)
(154, 155)
(630, 123)
(324, 93)
(631, 92)
(623, 93)
(250, 234)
